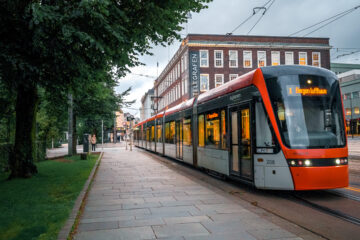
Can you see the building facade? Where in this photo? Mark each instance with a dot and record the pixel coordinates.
(204, 62)
(146, 105)
(343, 67)
(350, 89)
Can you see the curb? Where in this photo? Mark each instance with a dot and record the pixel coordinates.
(74, 215)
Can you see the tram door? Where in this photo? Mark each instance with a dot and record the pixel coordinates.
(240, 128)
(179, 139)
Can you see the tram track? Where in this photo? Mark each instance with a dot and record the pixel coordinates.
(327, 210)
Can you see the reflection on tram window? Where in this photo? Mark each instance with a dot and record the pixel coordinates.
(187, 132)
(264, 136)
(201, 131)
(212, 138)
(158, 133)
(223, 130)
(153, 133)
(172, 132)
(167, 132)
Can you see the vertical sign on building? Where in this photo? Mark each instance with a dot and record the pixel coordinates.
(194, 73)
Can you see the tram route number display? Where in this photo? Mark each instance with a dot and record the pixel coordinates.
(311, 91)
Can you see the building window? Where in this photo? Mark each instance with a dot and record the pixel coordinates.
(187, 131)
(348, 111)
(201, 142)
(356, 110)
(347, 96)
(204, 58)
(233, 58)
(182, 64)
(275, 58)
(247, 55)
(355, 94)
(218, 58)
(232, 76)
(219, 80)
(183, 86)
(204, 82)
(289, 58)
(212, 138)
(316, 59)
(302, 58)
(261, 55)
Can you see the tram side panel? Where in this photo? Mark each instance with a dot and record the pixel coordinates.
(272, 172)
(188, 154)
(213, 159)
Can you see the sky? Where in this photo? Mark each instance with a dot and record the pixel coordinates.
(282, 18)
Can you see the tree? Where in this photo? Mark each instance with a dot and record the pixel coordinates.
(60, 45)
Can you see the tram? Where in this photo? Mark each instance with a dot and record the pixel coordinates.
(279, 127)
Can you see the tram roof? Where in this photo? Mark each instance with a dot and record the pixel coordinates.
(231, 86)
(182, 106)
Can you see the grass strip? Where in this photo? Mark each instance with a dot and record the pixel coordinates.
(37, 208)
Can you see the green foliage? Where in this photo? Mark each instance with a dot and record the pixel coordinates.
(37, 208)
(64, 46)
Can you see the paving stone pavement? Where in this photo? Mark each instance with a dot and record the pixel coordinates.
(135, 196)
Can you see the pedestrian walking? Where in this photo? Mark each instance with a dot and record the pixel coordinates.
(93, 142)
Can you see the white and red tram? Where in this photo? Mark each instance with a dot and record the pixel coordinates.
(277, 127)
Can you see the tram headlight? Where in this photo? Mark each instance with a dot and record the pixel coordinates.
(307, 162)
(337, 161)
(293, 163)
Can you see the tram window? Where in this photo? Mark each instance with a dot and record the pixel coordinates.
(223, 130)
(212, 131)
(187, 132)
(264, 136)
(167, 132)
(158, 133)
(153, 133)
(201, 130)
(172, 132)
(147, 134)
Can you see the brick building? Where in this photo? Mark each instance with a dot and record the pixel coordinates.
(204, 62)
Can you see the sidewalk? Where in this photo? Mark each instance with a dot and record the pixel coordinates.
(136, 196)
(63, 150)
(354, 147)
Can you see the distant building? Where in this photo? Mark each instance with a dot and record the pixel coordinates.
(146, 105)
(350, 88)
(343, 67)
(204, 62)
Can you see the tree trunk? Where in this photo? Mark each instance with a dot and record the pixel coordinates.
(24, 153)
(74, 139)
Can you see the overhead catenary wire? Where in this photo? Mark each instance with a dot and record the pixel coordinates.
(266, 9)
(336, 16)
(247, 19)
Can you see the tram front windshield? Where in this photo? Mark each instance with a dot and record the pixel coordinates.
(308, 109)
